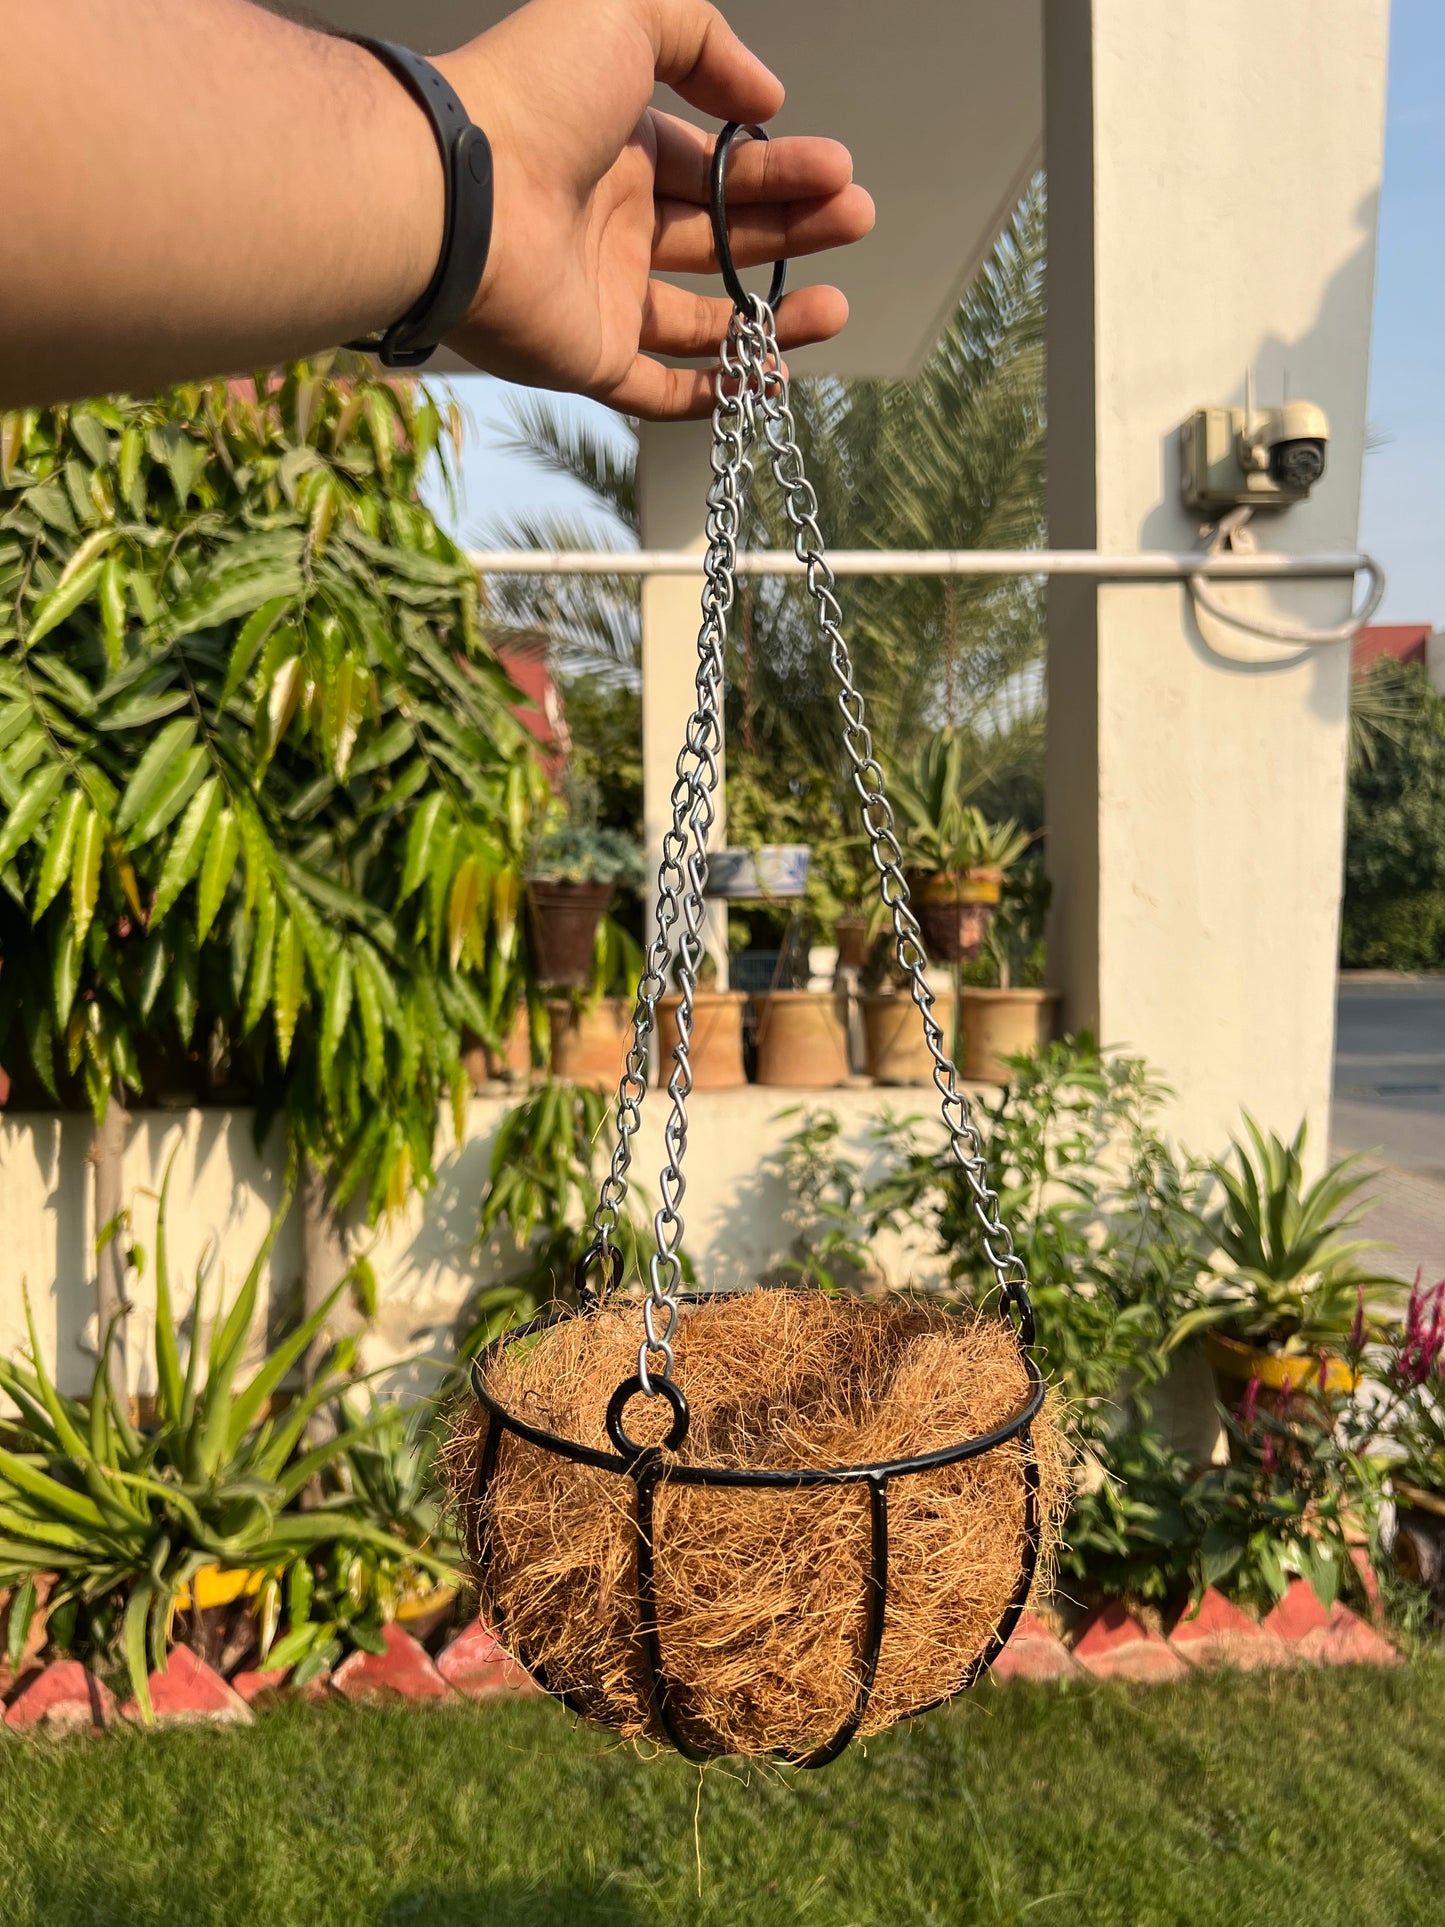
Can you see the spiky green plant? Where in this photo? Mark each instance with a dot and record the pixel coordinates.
(1285, 1273)
(126, 1516)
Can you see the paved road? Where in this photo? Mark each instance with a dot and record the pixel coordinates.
(1390, 1101)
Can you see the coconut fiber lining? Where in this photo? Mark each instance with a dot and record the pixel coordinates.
(761, 1595)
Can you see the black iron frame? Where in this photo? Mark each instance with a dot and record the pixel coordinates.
(646, 1466)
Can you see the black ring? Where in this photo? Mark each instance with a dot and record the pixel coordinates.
(617, 1405)
(742, 300)
(611, 1272)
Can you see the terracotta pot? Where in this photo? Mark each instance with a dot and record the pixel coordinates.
(716, 1051)
(590, 1045)
(954, 911)
(1001, 1023)
(802, 1039)
(564, 919)
(512, 1063)
(851, 935)
(897, 1052)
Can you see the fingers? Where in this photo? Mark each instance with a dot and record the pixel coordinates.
(698, 54)
(676, 321)
(655, 393)
(682, 240)
(791, 168)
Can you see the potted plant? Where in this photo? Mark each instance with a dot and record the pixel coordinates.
(757, 863)
(895, 1048)
(570, 886)
(591, 1027)
(715, 1052)
(1407, 1424)
(957, 859)
(1009, 1011)
(1283, 1290)
(801, 1033)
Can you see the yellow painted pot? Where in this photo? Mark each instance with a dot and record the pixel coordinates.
(221, 1586)
(1277, 1371)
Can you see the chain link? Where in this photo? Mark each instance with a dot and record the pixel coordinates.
(752, 390)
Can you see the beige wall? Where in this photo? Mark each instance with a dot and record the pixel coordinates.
(1214, 167)
(223, 1193)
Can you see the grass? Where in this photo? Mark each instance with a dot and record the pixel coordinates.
(1231, 1802)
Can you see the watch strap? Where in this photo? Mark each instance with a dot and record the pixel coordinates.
(467, 214)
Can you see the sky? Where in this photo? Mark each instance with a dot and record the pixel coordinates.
(1403, 512)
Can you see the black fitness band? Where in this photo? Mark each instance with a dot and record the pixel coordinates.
(467, 217)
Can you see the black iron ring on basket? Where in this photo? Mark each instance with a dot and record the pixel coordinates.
(643, 1580)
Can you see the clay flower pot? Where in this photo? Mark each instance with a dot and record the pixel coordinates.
(802, 1039)
(564, 919)
(1001, 1023)
(512, 1063)
(897, 1052)
(716, 1051)
(954, 911)
(590, 1045)
(851, 936)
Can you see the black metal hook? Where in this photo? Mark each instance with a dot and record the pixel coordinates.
(741, 298)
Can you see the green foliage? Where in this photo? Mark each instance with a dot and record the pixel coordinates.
(1128, 1536)
(1013, 952)
(942, 830)
(1395, 826)
(574, 855)
(1101, 1211)
(1283, 1272)
(827, 1201)
(604, 728)
(1394, 933)
(263, 798)
(126, 1516)
(383, 1476)
(546, 1168)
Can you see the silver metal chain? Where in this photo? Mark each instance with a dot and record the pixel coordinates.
(753, 390)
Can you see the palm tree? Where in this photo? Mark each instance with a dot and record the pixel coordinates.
(952, 459)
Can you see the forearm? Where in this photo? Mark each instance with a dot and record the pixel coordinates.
(220, 190)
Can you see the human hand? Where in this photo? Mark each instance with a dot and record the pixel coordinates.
(595, 190)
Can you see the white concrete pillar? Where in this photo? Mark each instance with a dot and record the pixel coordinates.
(673, 474)
(1213, 173)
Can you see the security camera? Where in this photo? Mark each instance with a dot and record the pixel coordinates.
(1255, 457)
(1294, 438)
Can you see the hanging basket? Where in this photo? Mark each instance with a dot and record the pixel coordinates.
(837, 1528)
(767, 1521)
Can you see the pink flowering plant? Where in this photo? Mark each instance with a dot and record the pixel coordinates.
(1300, 1487)
(1411, 1368)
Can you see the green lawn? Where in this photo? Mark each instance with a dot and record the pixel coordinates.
(1299, 1801)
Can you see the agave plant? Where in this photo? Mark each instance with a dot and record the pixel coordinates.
(381, 1475)
(126, 1515)
(1285, 1274)
(943, 832)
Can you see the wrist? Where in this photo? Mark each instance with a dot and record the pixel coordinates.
(405, 188)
